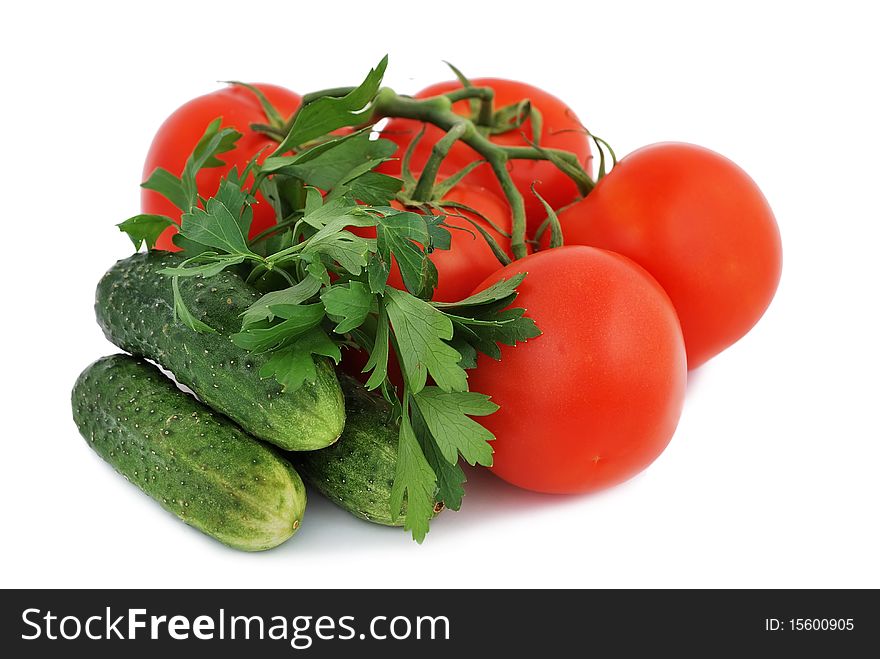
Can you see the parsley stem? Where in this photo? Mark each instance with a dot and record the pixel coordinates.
(278, 257)
(275, 133)
(275, 228)
(290, 279)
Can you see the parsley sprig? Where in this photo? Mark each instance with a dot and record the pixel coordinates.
(325, 287)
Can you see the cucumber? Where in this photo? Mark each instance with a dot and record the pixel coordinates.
(135, 308)
(357, 472)
(197, 464)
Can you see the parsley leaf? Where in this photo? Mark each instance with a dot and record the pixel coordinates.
(339, 161)
(285, 194)
(348, 250)
(213, 142)
(507, 327)
(348, 304)
(182, 191)
(238, 201)
(169, 186)
(420, 330)
(378, 359)
(298, 319)
(447, 415)
(440, 236)
(297, 294)
(337, 215)
(415, 479)
(378, 270)
(499, 291)
(294, 365)
(450, 477)
(215, 227)
(328, 113)
(401, 234)
(216, 264)
(184, 315)
(467, 351)
(514, 328)
(145, 229)
(372, 188)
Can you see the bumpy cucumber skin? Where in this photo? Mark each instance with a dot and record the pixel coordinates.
(135, 308)
(194, 462)
(357, 472)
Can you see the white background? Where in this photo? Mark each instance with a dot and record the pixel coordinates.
(772, 478)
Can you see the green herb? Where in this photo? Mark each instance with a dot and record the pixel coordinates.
(447, 415)
(329, 113)
(293, 365)
(349, 304)
(325, 287)
(414, 479)
(421, 331)
(145, 229)
(182, 191)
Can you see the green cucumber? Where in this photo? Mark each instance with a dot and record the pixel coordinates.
(197, 464)
(357, 472)
(135, 308)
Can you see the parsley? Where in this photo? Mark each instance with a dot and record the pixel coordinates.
(349, 304)
(448, 417)
(414, 479)
(328, 113)
(293, 365)
(421, 332)
(325, 286)
(145, 229)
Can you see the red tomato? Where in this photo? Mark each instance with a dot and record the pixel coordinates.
(469, 260)
(180, 133)
(700, 226)
(596, 398)
(561, 129)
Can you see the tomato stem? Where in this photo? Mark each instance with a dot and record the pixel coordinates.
(425, 187)
(438, 111)
(486, 96)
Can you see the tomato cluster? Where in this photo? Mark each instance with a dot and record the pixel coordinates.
(560, 129)
(672, 257)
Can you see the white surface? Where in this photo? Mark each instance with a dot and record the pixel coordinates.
(772, 477)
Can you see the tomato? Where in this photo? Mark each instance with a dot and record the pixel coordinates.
(180, 133)
(596, 398)
(469, 260)
(700, 226)
(561, 129)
